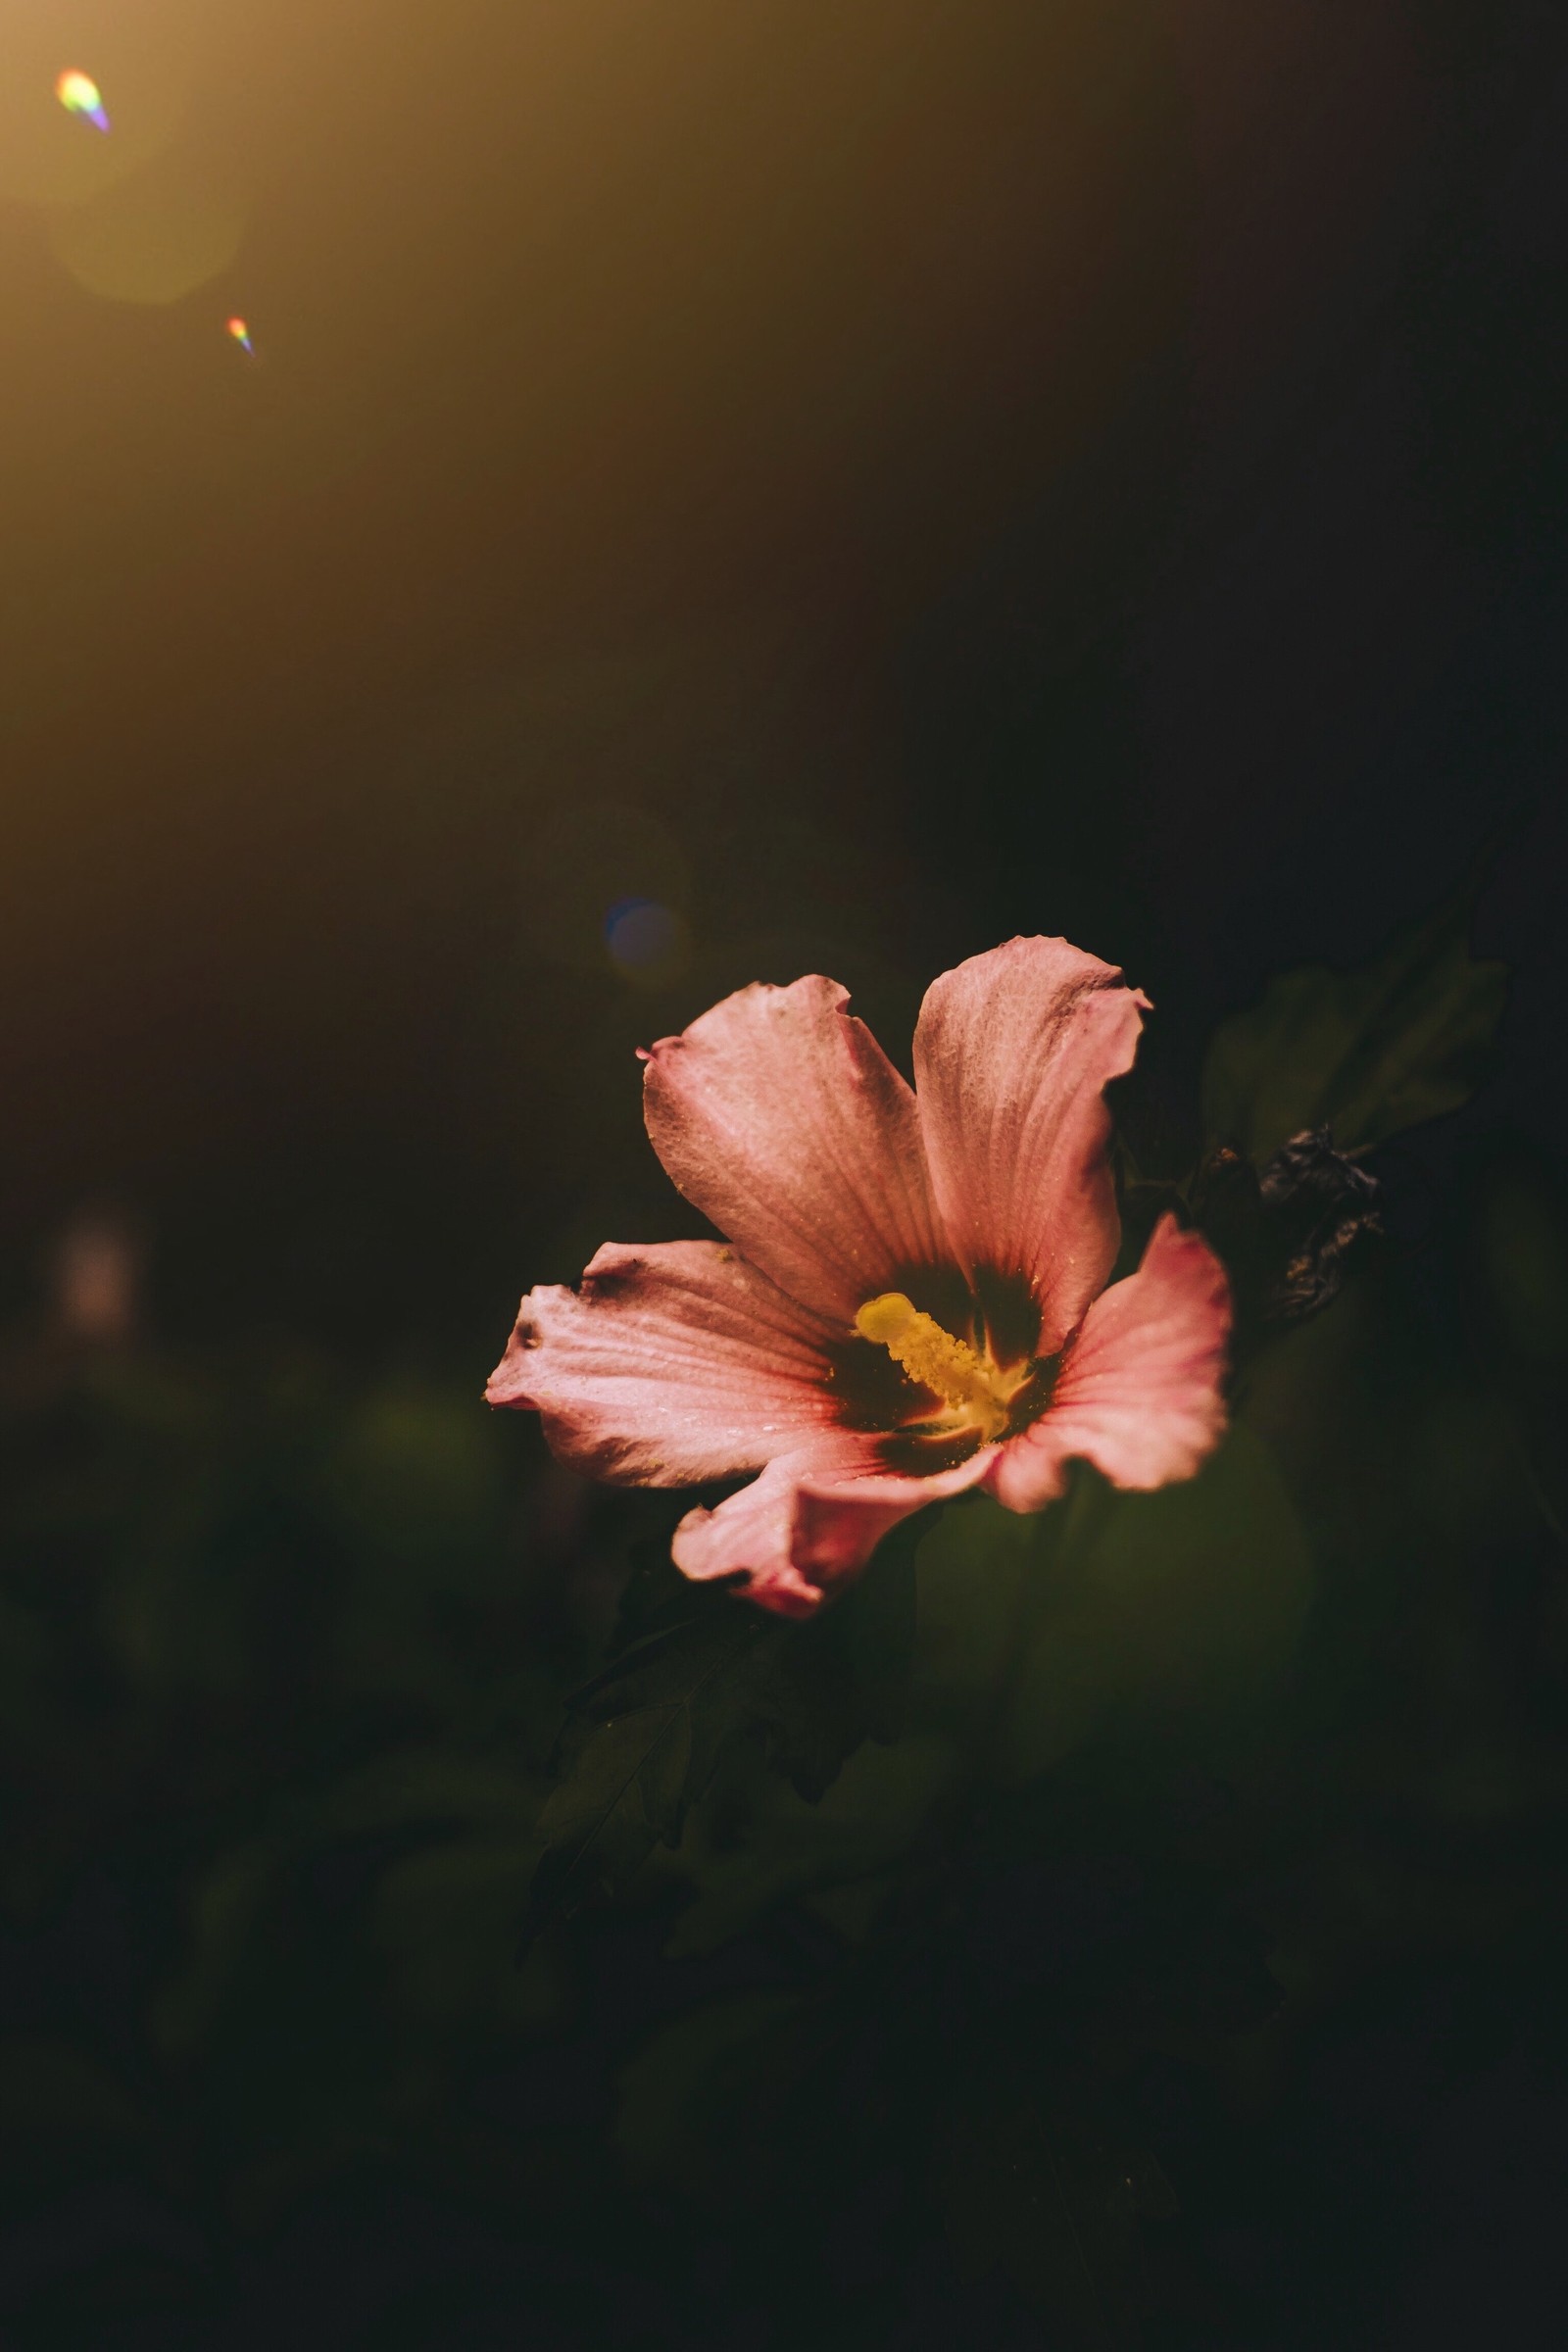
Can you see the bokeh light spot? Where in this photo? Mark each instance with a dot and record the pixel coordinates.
(80, 96)
(594, 870)
(646, 939)
(145, 61)
(153, 238)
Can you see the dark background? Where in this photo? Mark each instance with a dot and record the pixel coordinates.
(875, 476)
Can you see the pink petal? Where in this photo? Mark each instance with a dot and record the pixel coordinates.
(1139, 1392)
(672, 1364)
(795, 1533)
(1012, 1055)
(781, 1118)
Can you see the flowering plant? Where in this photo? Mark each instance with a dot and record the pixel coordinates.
(958, 1290)
(911, 1298)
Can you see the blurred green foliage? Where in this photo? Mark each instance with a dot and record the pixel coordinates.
(1364, 1054)
(281, 1670)
(646, 1737)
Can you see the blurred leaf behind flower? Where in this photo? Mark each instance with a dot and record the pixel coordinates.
(1364, 1054)
(645, 1737)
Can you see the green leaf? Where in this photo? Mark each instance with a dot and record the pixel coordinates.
(645, 1737)
(445, 1925)
(1364, 1054)
(856, 1834)
(1181, 1607)
(641, 1747)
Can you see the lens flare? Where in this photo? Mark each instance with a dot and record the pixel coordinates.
(242, 336)
(646, 940)
(78, 94)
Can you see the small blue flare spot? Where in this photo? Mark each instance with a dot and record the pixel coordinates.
(642, 935)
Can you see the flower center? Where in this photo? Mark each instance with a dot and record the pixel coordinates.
(979, 1394)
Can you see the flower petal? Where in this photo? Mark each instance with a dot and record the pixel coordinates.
(1012, 1055)
(672, 1364)
(781, 1118)
(795, 1534)
(1139, 1392)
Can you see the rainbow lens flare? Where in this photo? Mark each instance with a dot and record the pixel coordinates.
(78, 94)
(242, 336)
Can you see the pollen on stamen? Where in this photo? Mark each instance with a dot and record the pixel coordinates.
(919, 1346)
(889, 1320)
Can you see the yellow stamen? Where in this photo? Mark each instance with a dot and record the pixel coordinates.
(932, 1356)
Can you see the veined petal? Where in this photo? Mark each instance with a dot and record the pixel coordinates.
(1139, 1392)
(672, 1364)
(780, 1117)
(1011, 1057)
(795, 1533)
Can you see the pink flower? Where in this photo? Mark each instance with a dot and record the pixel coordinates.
(912, 1298)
